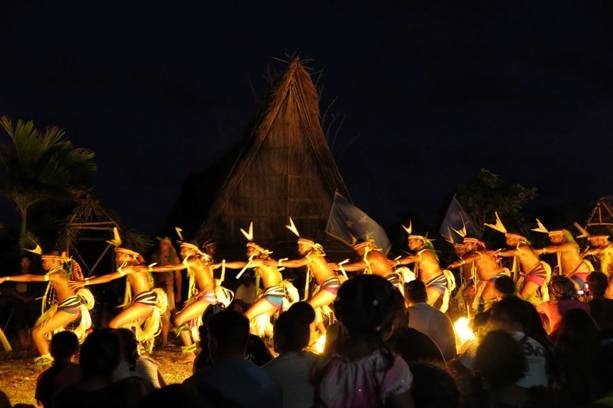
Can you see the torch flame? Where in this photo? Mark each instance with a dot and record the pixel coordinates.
(320, 345)
(463, 332)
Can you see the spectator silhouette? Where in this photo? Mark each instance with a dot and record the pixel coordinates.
(430, 320)
(230, 380)
(576, 350)
(362, 371)
(519, 318)
(100, 355)
(434, 386)
(131, 364)
(601, 308)
(564, 298)
(64, 347)
(292, 368)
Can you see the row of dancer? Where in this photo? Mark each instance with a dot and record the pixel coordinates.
(144, 304)
(481, 267)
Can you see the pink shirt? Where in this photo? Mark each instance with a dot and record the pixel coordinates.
(364, 383)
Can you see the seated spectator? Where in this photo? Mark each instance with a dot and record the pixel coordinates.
(576, 349)
(504, 286)
(601, 308)
(604, 364)
(433, 386)
(133, 365)
(366, 308)
(515, 316)
(64, 347)
(231, 380)
(430, 320)
(99, 357)
(203, 358)
(563, 298)
(415, 346)
(292, 368)
(257, 352)
(501, 362)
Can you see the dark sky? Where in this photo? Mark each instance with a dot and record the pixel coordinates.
(430, 92)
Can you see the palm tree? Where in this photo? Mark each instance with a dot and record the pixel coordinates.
(37, 167)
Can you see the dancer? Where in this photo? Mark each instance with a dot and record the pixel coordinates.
(374, 262)
(314, 259)
(487, 269)
(62, 305)
(570, 263)
(468, 271)
(468, 278)
(439, 283)
(602, 249)
(534, 273)
(143, 304)
(266, 269)
(202, 292)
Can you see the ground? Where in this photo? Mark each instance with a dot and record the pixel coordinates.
(18, 373)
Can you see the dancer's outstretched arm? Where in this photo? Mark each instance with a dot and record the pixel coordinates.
(26, 277)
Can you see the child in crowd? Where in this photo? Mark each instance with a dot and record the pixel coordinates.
(362, 371)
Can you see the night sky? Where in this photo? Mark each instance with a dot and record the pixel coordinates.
(428, 92)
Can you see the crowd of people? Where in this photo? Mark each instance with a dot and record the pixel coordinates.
(384, 350)
(540, 336)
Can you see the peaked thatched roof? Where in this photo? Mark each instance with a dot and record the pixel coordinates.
(600, 220)
(285, 169)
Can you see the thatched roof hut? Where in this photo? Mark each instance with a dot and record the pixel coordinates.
(284, 169)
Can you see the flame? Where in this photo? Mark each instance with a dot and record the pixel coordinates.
(320, 345)
(463, 332)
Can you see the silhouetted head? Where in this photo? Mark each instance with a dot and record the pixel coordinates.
(100, 353)
(366, 306)
(64, 345)
(228, 333)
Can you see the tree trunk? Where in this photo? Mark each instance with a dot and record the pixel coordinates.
(22, 229)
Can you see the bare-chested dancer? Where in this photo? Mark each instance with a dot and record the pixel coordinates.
(201, 293)
(468, 275)
(570, 262)
(143, 304)
(486, 268)
(534, 273)
(439, 283)
(313, 258)
(67, 304)
(602, 249)
(374, 261)
(271, 301)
